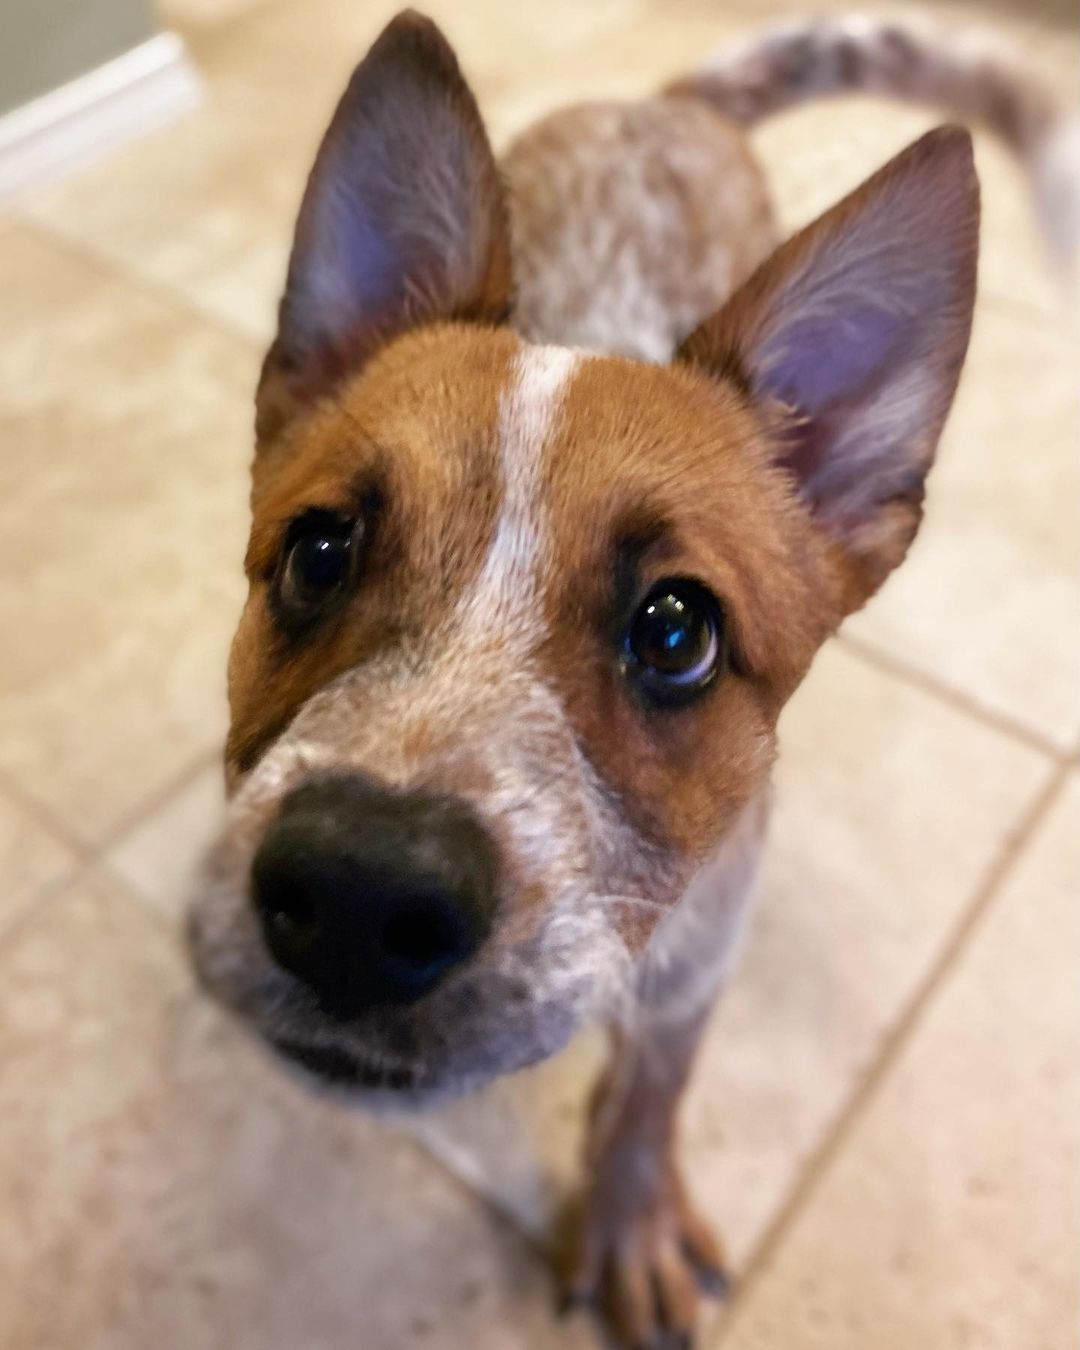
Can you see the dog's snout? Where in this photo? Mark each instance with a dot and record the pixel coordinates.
(369, 896)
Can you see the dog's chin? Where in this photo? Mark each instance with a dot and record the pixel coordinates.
(377, 1082)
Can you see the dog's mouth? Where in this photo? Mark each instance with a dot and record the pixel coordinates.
(341, 1068)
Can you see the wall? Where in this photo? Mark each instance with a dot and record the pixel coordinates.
(45, 43)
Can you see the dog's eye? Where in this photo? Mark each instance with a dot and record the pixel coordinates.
(318, 560)
(675, 645)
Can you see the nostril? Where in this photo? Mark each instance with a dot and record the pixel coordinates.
(424, 937)
(286, 898)
(292, 922)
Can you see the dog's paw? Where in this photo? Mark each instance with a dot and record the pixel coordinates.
(643, 1265)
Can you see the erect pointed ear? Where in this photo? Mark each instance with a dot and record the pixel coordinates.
(853, 333)
(402, 223)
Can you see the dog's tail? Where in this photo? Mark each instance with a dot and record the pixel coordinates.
(817, 58)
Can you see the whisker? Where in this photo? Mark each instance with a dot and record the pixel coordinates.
(614, 899)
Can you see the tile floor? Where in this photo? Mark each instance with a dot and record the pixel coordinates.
(884, 1124)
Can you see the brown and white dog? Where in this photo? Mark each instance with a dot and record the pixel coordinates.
(564, 473)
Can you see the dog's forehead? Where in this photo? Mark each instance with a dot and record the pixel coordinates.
(423, 413)
(484, 440)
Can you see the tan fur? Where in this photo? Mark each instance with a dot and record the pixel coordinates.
(517, 499)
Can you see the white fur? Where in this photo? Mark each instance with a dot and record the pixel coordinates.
(506, 593)
(694, 946)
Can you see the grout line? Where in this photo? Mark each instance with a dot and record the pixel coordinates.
(536, 1247)
(894, 1045)
(46, 896)
(154, 802)
(155, 914)
(1049, 320)
(15, 922)
(84, 850)
(91, 858)
(948, 694)
(111, 268)
(44, 816)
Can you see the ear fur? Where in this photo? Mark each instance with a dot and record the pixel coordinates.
(402, 223)
(852, 337)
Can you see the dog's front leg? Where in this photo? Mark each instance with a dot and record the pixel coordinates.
(641, 1251)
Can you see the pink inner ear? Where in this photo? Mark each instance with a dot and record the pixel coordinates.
(858, 328)
(355, 269)
(827, 369)
(826, 359)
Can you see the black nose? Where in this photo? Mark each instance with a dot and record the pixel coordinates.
(369, 897)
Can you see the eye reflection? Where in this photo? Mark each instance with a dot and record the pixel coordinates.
(318, 561)
(674, 645)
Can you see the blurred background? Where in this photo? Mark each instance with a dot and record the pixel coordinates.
(884, 1122)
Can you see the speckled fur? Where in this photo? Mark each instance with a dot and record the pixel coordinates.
(603, 196)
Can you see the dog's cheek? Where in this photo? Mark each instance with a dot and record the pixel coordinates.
(247, 724)
(682, 775)
(714, 762)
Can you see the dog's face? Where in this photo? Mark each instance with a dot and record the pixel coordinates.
(521, 620)
(521, 530)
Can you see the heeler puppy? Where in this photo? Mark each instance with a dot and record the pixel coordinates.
(564, 472)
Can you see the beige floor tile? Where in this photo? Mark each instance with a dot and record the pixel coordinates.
(126, 432)
(157, 858)
(654, 43)
(187, 16)
(161, 1184)
(988, 599)
(890, 808)
(31, 860)
(949, 1218)
(203, 207)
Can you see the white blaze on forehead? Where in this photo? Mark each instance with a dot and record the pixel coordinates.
(506, 589)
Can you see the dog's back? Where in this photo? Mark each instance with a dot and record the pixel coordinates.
(633, 221)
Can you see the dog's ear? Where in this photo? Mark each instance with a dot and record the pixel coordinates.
(851, 337)
(402, 223)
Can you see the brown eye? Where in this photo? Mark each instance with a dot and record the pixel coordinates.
(317, 562)
(674, 646)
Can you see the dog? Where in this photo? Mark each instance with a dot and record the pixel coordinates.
(566, 467)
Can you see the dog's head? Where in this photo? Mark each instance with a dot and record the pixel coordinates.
(521, 620)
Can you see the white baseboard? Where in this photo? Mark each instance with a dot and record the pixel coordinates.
(119, 101)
